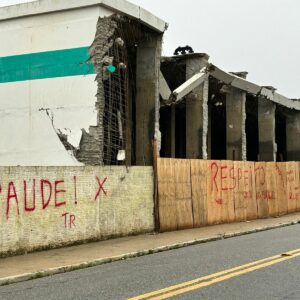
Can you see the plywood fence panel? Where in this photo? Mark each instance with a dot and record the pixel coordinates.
(281, 185)
(194, 193)
(199, 191)
(297, 185)
(183, 193)
(239, 191)
(245, 205)
(228, 213)
(220, 202)
(214, 193)
(261, 190)
(167, 194)
(250, 191)
(272, 191)
(292, 182)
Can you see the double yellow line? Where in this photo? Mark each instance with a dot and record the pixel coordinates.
(200, 282)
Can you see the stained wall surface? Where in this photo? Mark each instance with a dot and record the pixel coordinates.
(46, 207)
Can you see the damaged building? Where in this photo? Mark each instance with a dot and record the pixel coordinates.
(207, 113)
(79, 83)
(84, 83)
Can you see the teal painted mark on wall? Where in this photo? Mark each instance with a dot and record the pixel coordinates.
(58, 63)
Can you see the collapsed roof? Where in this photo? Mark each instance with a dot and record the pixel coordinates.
(230, 79)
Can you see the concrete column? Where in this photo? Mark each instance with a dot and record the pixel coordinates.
(266, 130)
(235, 124)
(147, 98)
(293, 136)
(196, 111)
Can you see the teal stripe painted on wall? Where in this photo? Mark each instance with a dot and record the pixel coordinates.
(59, 63)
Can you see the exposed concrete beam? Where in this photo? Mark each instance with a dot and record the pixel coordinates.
(252, 88)
(164, 89)
(189, 86)
(232, 79)
(289, 103)
(241, 74)
(267, 93)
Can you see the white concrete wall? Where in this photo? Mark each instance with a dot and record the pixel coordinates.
(78, 208)
(30, 110)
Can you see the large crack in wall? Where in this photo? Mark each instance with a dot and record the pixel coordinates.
(113, 54)
(91, 148)
(96, 142)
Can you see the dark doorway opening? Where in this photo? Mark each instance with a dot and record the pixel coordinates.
(252, 128)
(217, 110)
(180, 133)
(174, 71)
(165, 129)
(280, 136)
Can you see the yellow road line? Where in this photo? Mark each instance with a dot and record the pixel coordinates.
(210, 279)
(222, 278)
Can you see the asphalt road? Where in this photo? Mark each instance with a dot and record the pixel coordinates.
(137, 276)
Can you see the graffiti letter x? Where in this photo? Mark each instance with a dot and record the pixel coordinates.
(101, 184)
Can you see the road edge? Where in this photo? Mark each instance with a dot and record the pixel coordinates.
(68, 268)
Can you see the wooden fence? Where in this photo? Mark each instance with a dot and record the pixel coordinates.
(195, 193)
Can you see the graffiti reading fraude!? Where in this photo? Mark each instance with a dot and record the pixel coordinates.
(30, 195)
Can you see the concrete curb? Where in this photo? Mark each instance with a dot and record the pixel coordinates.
(97, 262)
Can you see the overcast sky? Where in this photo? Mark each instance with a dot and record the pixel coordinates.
(258, 36)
